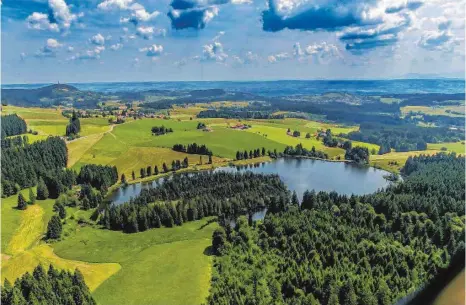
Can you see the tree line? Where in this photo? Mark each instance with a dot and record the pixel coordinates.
(239, 114)
(337, 249)
(193, 148)
(299, 150)
(190, 197)
(47, 287)
(160, 130)
(147, 172)
(256, 153)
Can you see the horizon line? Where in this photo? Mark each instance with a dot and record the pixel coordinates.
(240, 81)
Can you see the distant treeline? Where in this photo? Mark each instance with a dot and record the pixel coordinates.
(193, 148)
(238, 114)
(198, 195)
(12, 125)
(47, 287)
(405, 137)
(337, 249)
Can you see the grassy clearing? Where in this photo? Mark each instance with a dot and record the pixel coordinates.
(457, 147)
(169, 260)
(179, 273)
(382, 161)
(29, 231)
(11, 218)
(94, 274)
(22, 250)
(78, 147)
(453, 111)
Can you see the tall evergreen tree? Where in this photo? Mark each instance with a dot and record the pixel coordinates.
(22, 204)
(54, 228)
(32, 196)
(42, 191)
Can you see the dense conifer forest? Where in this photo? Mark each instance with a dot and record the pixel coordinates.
(12, 125)
(195, 196)
(404, 137)
(335, 249)
(22, 166)
(47, 287)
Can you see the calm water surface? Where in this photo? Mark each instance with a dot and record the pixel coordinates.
(299, 175)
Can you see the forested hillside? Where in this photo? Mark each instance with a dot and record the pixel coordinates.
(335, 249)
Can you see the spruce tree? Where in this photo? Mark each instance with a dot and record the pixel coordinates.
(42, 191)
(32, 196)
(54, 228)
(133, 175)
(156, 170)
(22, 205)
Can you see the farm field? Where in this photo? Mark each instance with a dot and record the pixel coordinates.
(453, 111)
(171, 260)
(397, 159)
(457, 147)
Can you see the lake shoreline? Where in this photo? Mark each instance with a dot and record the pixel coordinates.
(298, 172)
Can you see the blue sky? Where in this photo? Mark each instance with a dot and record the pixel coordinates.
(159, 40)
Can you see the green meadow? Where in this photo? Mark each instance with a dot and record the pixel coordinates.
(457, 147)
(174, 261)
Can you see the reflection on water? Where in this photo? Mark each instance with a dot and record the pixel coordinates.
(299, 175)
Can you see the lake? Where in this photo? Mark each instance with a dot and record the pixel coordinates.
(299, 175)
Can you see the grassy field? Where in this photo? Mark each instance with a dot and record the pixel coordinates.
(457, 147)
(23, 248)
(279, 135)
(172, 261)
(453, 111)
(382, 161)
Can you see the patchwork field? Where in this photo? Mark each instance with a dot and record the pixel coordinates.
(173, 260)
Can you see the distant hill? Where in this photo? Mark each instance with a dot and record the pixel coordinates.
(38, 96)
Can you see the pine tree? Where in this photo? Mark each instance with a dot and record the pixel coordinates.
(123, 178)
(42, 191)
(294, 199)
(156, 170)
(263, 151)
(149, 171)
(32, 196)
(142, 172)
(22, 205)
(54, 228)
(133, 176)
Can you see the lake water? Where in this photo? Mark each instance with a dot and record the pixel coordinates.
(299, 175)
